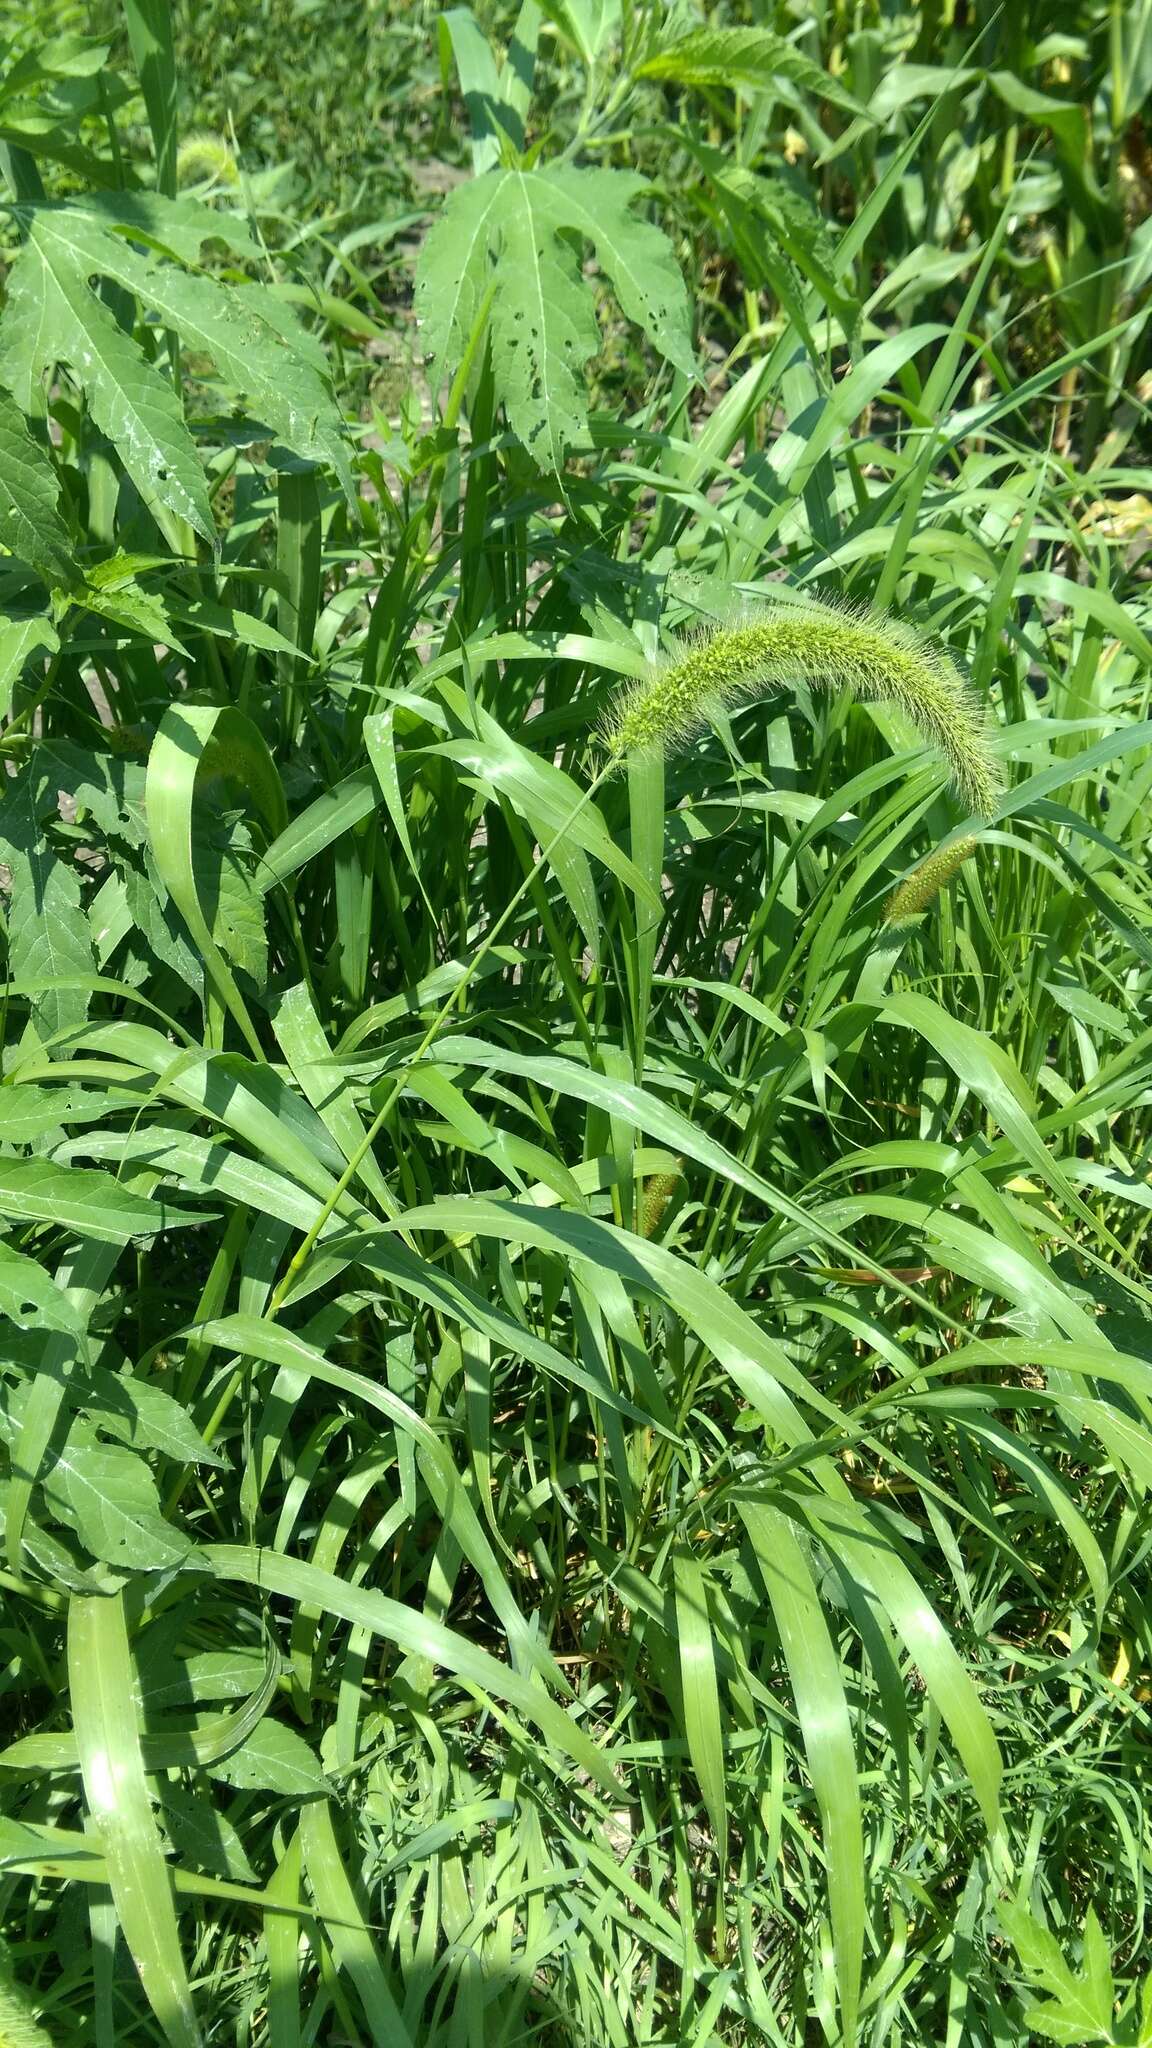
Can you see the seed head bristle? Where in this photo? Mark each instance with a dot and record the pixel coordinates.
(876, 658)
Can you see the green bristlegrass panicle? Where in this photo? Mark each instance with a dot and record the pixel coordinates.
(918, 889)
(658, 1192)
(19, 2027)
(876, 658)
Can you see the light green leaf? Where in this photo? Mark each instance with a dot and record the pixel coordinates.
(109, 1496)
(510, 231)
(48, 934)
(142, 1415)
(702, 1724)
(418, 1635)
(1081, 2004)
(107, 1730)
(30, 1298)
(200, 1832)
(544, 331)
(756, 58)
(357, 1950)
(275, 1758)
(198, 740)
(818, 1687)
(83, 1199)
(53, 316)
(587, 23)
(259, 350)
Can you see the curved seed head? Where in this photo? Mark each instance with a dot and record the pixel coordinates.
(828, 647)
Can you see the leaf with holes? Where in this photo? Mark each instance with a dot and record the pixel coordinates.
(53, 316)
(30, 1298)
(517, 234)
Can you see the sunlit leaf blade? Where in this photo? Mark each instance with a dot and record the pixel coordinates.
(817, 1682)
(756, 58)
(116, 1789)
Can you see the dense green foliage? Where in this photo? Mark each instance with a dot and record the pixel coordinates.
(575, 1316)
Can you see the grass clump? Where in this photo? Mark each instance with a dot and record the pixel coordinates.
(831, 647)
(573, 1407)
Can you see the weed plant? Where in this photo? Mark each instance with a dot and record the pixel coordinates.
(575, 1320)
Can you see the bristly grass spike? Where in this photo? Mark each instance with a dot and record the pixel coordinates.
(836, 647)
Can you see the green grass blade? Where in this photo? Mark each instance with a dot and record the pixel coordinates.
(108, 1739)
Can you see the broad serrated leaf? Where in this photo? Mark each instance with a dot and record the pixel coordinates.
(30, 1298)
(1081, 2002)
(48, 934)
(27, 1112)
(635, 256)
(141, 1415)
(202, 1835)
(158, 927)
(53, 316)
(455, 268)
(274, 1759)
(223, 864)
(752, 57)
(109, 1497)
(181, 226)
(544, 330)
(210, 1675)
(20, 639)
(103, 786)
(63, 56)
(30, 524)
(516, 232)
(260, 351)
(140, 612)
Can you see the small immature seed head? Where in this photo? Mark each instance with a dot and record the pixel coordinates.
(918, 889)
(658, 1192)
(826, 646)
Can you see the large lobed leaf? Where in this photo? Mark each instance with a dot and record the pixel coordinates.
(755, 58)
(516, 233)
(54, 316)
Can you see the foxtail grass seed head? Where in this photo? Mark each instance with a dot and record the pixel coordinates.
(876, 658)
(659, 1189)
(918, 889)
(204, 156)
(18, 2025)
